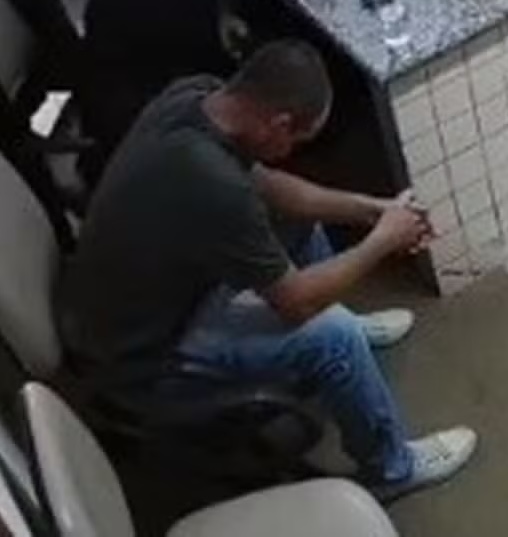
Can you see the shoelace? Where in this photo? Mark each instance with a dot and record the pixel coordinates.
(431, 453)
(374, 325)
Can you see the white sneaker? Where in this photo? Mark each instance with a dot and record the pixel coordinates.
(436, 459)
(385, 328)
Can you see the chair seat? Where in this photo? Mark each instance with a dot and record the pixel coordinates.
(320, 508)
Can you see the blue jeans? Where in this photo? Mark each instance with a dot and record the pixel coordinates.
(330, 353)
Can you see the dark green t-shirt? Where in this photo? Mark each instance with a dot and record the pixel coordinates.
(176, 215)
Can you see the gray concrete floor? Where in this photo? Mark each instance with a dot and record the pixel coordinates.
(454, 370)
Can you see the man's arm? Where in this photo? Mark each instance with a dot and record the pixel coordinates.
(296, 197)
(301, 294)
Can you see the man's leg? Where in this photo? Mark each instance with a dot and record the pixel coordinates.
(331, 355)
(382, 328)
(313, 248)
(333, 351)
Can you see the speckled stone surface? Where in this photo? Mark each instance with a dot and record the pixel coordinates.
(434, 26)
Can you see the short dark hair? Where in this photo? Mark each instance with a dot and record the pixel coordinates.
(287, 75)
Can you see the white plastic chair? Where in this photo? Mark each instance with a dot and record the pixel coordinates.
(20, 508)
(33, 106)
(86, 500)
(28, 264)
(18, 52)
(14, 467)
(10, 515)
(17, 45)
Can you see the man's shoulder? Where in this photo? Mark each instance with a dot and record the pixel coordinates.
(206, 174)
(177, 110)
(196, 84)
(217, 170)
(182, 91)
(186, 161)
(190, 149)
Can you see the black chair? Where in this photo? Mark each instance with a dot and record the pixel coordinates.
(214, 409)
(39, 52)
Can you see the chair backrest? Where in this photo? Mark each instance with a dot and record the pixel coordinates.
(80, 485)
(24, 509)
(38, 52)
(11, 517)
(28, 264)
(17, 49)
(14, 468)
(28, 32)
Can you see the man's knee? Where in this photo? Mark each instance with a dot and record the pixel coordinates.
(332, 345)
(336, 322)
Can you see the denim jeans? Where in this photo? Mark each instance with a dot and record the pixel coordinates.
(330, 353)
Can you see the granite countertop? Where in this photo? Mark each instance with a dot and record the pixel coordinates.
(434, 25)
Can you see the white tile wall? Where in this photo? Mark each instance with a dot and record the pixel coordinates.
(460, 266)
(505, 36)
(455, 276)
(467, 167)
(487, 80)
(432, 186)
(499, 182)
(452, 98)
(445, 68)
(452, 118)
(503, 214)
(459, 133)
(493, 114)
(448, 247)
(444, 216)
(496, 150)
(408, 87)
(473, 200)
(415, 117)
(424, 152)
(488, 256)
(481, 229)
(484, 48)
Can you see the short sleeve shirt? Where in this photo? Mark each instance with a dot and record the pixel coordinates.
(176, 215)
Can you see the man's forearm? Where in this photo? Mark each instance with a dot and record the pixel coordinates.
(302, 294)
(296, 197)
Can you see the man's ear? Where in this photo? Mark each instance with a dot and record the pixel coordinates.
(283, 122)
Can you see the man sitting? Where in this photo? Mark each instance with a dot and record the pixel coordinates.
(180, 225)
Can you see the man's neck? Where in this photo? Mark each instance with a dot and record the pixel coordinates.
(232, 116)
